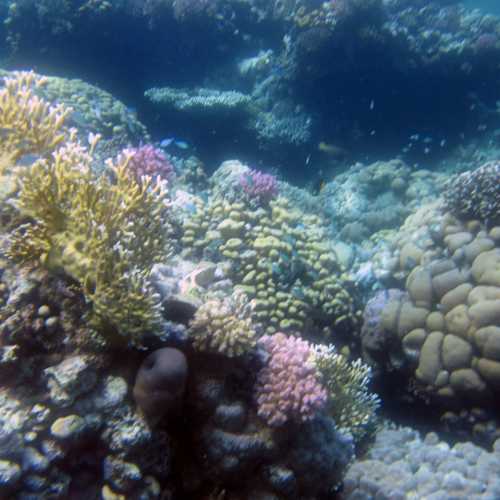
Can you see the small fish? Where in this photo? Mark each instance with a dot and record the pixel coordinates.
(166, 142)
(442, 143)
(308, 159)
(372, 105)
(27, 160)
(96, 109)
(332, 150)
(373, 132)
(77, 118)
(428, 140)
(171, 141)
(318, 186)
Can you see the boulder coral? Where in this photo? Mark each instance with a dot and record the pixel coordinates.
(448, 324)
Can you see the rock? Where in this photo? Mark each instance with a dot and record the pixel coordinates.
(70, 428)
(10, 473)
(70, 379)
(33, 460)
(121, 475)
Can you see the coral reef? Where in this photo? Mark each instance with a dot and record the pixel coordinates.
(29, 124)
(259, 186)
(105, 233)
(445, 328)
(146, 160)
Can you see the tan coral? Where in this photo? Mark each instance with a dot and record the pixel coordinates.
(449, 324)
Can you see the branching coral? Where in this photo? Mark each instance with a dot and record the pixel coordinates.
(259, 186)
(288, 387)
(476, 194)
(150, 161)
(224, 326)
(28, 124)
(352, 405)
(103, 232)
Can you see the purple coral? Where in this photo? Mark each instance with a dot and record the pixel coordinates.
(150, 161)
(259, 186)
(288, 387)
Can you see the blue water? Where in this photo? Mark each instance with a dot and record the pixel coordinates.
(488, 6)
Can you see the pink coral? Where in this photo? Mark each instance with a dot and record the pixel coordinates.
(258, 185)
(150, 161)
(288, 387)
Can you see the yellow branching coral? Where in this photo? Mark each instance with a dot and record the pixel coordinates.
(352, 405)
(223, 325)
(28, 124)
(104, 232)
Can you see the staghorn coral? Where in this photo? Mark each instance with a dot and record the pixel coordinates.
(288, 387)
(29, 124)
(104, 232)
(223, 325)
(352, 405)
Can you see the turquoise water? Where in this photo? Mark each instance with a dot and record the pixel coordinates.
(489, 6)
